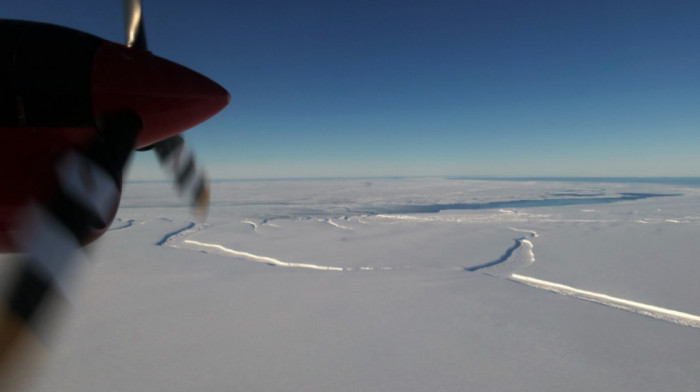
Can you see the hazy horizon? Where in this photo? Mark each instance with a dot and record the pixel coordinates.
(690, 180)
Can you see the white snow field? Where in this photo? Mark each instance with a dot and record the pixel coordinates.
(390, 285)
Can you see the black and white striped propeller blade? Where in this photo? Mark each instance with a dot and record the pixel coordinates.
(190, 180)
(51, 234)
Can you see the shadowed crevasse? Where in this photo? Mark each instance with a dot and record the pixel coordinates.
(500, 260)
(174, 233)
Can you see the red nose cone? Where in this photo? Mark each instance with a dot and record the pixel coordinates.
(169, 98)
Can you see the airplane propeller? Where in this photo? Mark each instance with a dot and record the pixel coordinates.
(128, 89)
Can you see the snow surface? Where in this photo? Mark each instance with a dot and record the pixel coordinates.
(380, 298)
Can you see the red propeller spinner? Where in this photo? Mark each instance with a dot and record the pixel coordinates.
(168, 97)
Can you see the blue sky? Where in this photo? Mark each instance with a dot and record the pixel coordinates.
(419, 88)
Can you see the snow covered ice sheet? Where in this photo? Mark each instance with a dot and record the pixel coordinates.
(166, 307)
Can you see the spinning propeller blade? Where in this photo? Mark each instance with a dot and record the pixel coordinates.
(175, 158)
(51, 234)
(190, 181)
(133, 18)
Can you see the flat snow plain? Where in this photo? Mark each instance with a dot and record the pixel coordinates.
(380, 285)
